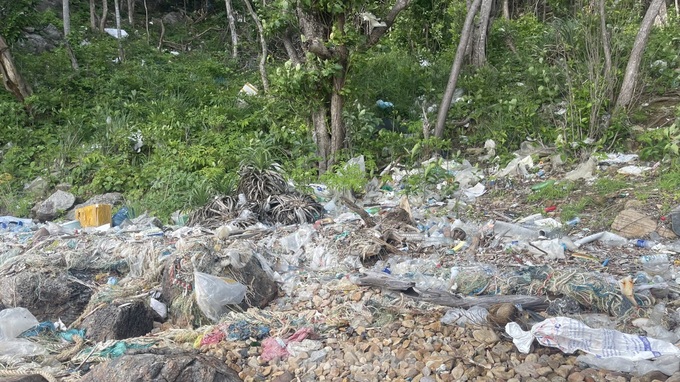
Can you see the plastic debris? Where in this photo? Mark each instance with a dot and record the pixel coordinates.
(570, 335)
(275, 347)
(213, 294)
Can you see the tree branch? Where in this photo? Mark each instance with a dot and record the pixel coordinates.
(378, 32)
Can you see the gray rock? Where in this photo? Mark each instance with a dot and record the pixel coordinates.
(182, 367)
(24, 378)
(50, 208)
(37, 186)
(112, 198)
(173, 18)
(119, 321)
(42, 40)
(51, 32)
(49, 293)
(35, 43)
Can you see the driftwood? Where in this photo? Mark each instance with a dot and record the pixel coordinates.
(368, 220)
(440, 297)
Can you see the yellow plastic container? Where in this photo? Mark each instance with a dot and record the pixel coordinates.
(94, 216)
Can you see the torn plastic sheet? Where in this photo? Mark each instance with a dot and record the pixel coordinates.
(570, 335)
(618, 158)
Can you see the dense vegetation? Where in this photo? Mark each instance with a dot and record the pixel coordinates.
(543, 80)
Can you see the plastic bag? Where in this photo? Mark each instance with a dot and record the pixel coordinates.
(298, 239)
(20, 347)
(570, 335)
(14, 321)
(214, 293)
(474, 316)
(668, 364)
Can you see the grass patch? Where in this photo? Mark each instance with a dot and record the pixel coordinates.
(669, 181)
(552, 192)
(605, 186)
(572, 210)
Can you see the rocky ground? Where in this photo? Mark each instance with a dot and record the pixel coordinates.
(327, 325)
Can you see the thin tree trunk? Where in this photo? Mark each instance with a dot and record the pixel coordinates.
(290, 48)
(160, 40)
(11, 77)
(321, 137)
(121, 53)
(146, 20)
(479, 52)
(631, 73)
(105, 11)
(662, 17)
(232, 29)
(605, 41)
(71, 56)
(677, 8)
(93, 16)
(131, 11)
(263, 45)
(506, 9)
(66, 17)
(455, 69)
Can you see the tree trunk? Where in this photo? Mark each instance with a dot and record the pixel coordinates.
(93, 16)
(605, 41)
(481, 32)
(71, 56)
(290, 48)
(105, 11)
(506, 9)
(662, 17)
(631, 73)
(119, 37)
(11, 77)
(66, 17)
(146, 20)
(131, 11)
(232, 29)
(263, 46)
(338, 133)
(321, 136)
(455, 69)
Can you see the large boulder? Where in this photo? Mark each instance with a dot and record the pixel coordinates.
(237, 260)
(119, 321)
(112, 198)
(40, 41)
(50, 208)
(181, 367)
(48, 293)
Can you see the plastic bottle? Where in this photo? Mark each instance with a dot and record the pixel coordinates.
(643, 243)
(657, 264)
(574, 221)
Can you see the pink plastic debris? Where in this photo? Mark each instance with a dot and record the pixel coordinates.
(213, 337)
(274, 347)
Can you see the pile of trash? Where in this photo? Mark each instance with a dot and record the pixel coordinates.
(272, 280)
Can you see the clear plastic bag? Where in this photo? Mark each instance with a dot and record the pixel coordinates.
(214, 293)
(14, 321)
(475, 316)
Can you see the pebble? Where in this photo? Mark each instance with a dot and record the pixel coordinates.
(486, 336)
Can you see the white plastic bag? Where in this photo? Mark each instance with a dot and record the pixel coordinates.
(214, 293)
(570, 335)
